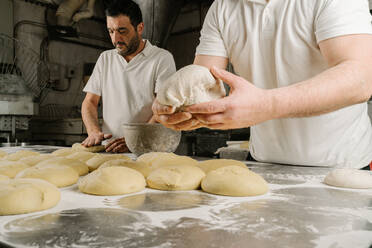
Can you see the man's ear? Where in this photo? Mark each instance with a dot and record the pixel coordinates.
(140, 28)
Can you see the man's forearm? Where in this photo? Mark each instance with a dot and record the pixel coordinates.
(90, 118)
(343, 85)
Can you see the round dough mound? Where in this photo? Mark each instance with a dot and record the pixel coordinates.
(20, 196)
(64, 152)
(11, 168)
(61, 176)
(82, 156)
(20, 154)
(80, 167)
(234, 181)
(3, 154)
(139, 166)
(33, 160)
(3, 177)
(176, 177)
(213, 164)
(99, 159)
(80, 147)
(112, 181)
(156, 159)
(349, 178)
(190, 85)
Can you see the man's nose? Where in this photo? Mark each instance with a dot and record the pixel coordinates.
(116, 36)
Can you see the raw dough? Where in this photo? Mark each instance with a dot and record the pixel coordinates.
(60, 176)
(213, 164)
(112, 181)
(63, 152)
(20, 154)
(11, 168)
(33, 160)
(3, 154)
(99, 159)
(349, 178)
(3, 177)
(80, 147)
(82, 156)
(190, 85)
(176, 177)
(157, 159)
(234, 181)
(20, 196)
(139, 166)
(80, 167)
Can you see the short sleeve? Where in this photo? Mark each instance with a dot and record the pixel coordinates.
(166, 68)
(342, 17)
(211, 42)
(94, 84)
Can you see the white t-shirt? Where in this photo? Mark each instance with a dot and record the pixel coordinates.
(128, 89)
(275, 44)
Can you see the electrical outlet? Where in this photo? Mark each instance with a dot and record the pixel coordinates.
(70, 72)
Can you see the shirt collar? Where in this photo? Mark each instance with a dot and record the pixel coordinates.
(147, 49)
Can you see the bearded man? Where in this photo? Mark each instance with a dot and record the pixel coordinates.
(126, 78)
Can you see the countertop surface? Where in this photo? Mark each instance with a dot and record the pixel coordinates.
(298, 211)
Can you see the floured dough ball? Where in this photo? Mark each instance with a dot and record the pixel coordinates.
(11, 168)
(99, 159)
(80, 147)
(139, 166)
(213, 164)
(3, 177)
(20, 154)
(157, 159)
(234, 181)
(190, 85)
(82, 156)
(60, 176)
(3, 154)
(112, 181)
(64, 152)
(349, 178)
(176, 177)
(20, 196)
(80, 167)
(33, 160)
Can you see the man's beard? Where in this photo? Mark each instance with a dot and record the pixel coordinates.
(131, 47)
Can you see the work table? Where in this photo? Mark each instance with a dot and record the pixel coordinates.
(298, 211)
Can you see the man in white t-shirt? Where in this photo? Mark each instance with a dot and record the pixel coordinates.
(126, 78)
(305, 74)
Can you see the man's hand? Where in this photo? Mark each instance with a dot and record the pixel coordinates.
(245, 106)
(95, 138)
(117, 145)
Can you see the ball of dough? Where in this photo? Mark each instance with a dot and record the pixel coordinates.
(20, 154)
(99, 159)
(80, 167)
(60, 176)
(64, 152)
(176, 177)
(3, 177)
(234, 181)
(156, 159)
(11, 168)
(112, 181)
(82, 156)
(349, 178)
(213, 164)
(33, 160)
(190, 85)
(3, 154)
(20, 196)
(80, 147)
(139, 166)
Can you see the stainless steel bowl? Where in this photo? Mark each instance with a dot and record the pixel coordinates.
(144, 137)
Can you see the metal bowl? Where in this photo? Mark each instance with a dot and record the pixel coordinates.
(144, 137)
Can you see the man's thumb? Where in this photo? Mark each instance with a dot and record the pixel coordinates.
(227, 77)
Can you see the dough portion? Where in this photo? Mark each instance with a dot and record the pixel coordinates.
(60, 176)
(176, 177)
(80, 167)
(112, 181)
(81, 156)
(155, 160)
(99, 159)
(64, 152)
(139, 166)
(3, 177)
(213, 164)
(33, 160)
(11, 168)
(80, 147)
(20, 196)
(20, 154)
(234, 181)
(349, 178)
(3, 154)
(190, 85)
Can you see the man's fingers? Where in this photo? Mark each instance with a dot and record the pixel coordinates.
(211, 107)
(159, 109)
(174, 118)
(107, 136)
(229, 78)
(210, 119)
(187, 125)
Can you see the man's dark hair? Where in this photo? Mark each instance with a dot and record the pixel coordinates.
(127, 8)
